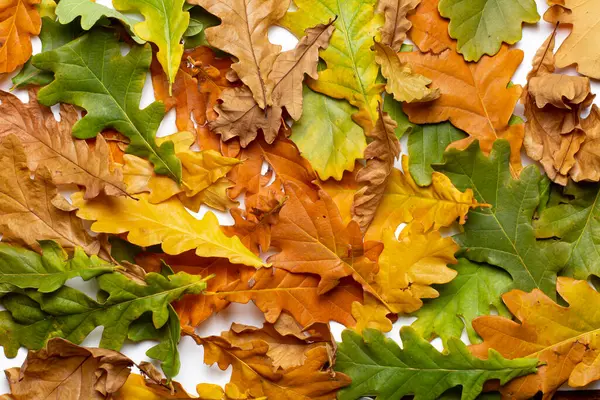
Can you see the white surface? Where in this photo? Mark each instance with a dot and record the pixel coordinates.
(193, 370)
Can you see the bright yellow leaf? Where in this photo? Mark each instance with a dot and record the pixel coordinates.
(371, 314)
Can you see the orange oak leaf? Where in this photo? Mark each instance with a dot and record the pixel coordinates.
(476, 98)
(380, 154)
(429, 30)
(241, 115)
(19, 21)
(564, 339)
(254, 369)
(49, 143)
(313, 239)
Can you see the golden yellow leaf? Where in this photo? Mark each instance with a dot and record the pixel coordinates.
(371, 314)
(167, 223)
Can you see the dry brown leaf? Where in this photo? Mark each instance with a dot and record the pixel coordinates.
(581, 46)
(555, 133)
(254, 370)
(243, 34)
(27, 206)
(284, 162)
(476, 98)
(312, 239)
(380, 154)
(19, 21)
(429, 30)
(64, 371)
(241, 116)
(393, 32)
(48, 143)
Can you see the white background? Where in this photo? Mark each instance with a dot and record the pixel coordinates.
(193, 370)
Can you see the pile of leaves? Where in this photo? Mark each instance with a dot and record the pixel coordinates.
(301, 148)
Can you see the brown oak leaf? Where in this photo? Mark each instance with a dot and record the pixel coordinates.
(393, 32)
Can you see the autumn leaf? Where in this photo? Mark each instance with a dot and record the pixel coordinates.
(62, 370)
(342, 192)
(200, 21)
(380, 154)
(167, 223)
(253, 369)
(482, 25)
(202, 172)
(120, 92)
(19, 21)
(473, 292)
(426, 146)
(371, 314)
(435, 206)
(27, 269)
(379, 367)
(409, 265)
(555, 132)
(563, 338)
(397, 24)
(312, 239)
(351, 72)
(429, 30)
(243, 34)
(27, 206)
(503, 235)
(241, 116)
(402, 82)
(327, 136)
(574, 220)
(91, 13)
(485, 102)
(579, 47)
(48, 143)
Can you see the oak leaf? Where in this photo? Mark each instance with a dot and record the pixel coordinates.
(402, 82)
(351, 72)
(312, 239)
(397, 24)
(27, 206)
(381, 155)
(253, 369)
(481, 26)
(167, 223)
(555, 132)
(379, 367)
(484, 106)
(19, 21)
(112, 95)
(240, 115)
(243, 34)
(342, 192)
(429, 30)
(48, 143)
(580, 46)
(64, 371)
(503, 235)
(563, 338)
(371, 314)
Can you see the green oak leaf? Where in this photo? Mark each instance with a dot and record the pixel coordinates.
(473, 292)
(394, 109)
(426, 146)
(164, 25)
(53, 35)
(380, 368)
(200, 20)
(33, 317)
(92, 13)
(503, 235)
(480, 26)
(574, 218)
(27, 269)
(326, 135)
(91, 73)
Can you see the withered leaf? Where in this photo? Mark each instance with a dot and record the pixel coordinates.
(393, 32)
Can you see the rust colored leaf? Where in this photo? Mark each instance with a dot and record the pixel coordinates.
(48, 143)
(429, 30)
(64, 371)
(19, 21)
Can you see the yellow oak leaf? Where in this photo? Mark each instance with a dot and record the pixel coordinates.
(371, 314)
(435, 206)
(19, 21)
(167, 223)
(564, 339)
